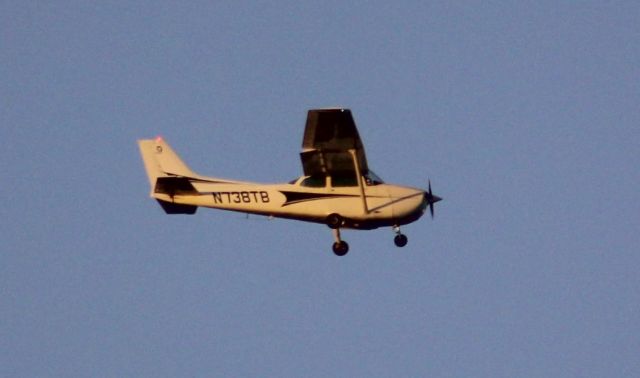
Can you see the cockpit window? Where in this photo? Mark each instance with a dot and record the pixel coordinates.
(338, 179)
(342, 179)
(314, 182)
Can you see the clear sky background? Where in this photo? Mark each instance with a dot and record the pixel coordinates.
(525, 116)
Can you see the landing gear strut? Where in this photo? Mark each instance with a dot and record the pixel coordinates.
(340, 247)
(400, 240)
(335, 221)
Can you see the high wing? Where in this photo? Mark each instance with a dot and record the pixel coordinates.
(328, 136)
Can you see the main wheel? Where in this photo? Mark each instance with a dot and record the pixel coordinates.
(334, 221)
(400, 240)
(340, 248)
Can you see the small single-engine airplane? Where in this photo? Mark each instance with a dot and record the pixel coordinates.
(337, 188)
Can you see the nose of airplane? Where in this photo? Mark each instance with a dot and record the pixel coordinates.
(430, 199)
(434, 199)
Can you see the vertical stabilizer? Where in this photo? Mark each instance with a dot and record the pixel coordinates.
(160, 160)
(168, 175)
(169, 161)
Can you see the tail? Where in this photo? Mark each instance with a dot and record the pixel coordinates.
(168, 175)
(161, 161)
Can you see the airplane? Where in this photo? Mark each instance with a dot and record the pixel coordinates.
(337, 187)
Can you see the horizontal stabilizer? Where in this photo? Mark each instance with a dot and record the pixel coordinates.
(174, 208)
(174, 185)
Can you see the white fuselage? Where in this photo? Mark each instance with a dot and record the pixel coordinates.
(383, 205)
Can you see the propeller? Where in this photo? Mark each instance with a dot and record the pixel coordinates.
(430, 199)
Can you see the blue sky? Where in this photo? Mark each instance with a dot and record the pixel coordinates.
(524, 116)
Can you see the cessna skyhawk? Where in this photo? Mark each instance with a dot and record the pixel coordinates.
(337, 188)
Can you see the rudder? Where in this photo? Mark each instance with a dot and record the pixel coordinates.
(151, 164)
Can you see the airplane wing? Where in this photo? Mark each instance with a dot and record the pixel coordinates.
(328, 136)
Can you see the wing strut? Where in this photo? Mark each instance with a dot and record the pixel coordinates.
(352, 151)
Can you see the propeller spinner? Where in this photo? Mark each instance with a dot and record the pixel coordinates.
(430, 199)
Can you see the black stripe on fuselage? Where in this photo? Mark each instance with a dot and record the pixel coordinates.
(297, 197)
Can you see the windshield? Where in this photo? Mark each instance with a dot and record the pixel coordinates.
(372, 179)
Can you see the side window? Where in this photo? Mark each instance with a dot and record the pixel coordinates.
(343, 179)
(314, 182)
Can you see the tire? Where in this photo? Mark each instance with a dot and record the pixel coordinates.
(340, 248)
(400, 240)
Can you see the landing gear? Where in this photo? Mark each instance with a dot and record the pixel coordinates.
(340, 247)
(334, 221)
(400, 240)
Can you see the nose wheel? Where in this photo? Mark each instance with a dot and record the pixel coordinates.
(401, 239)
